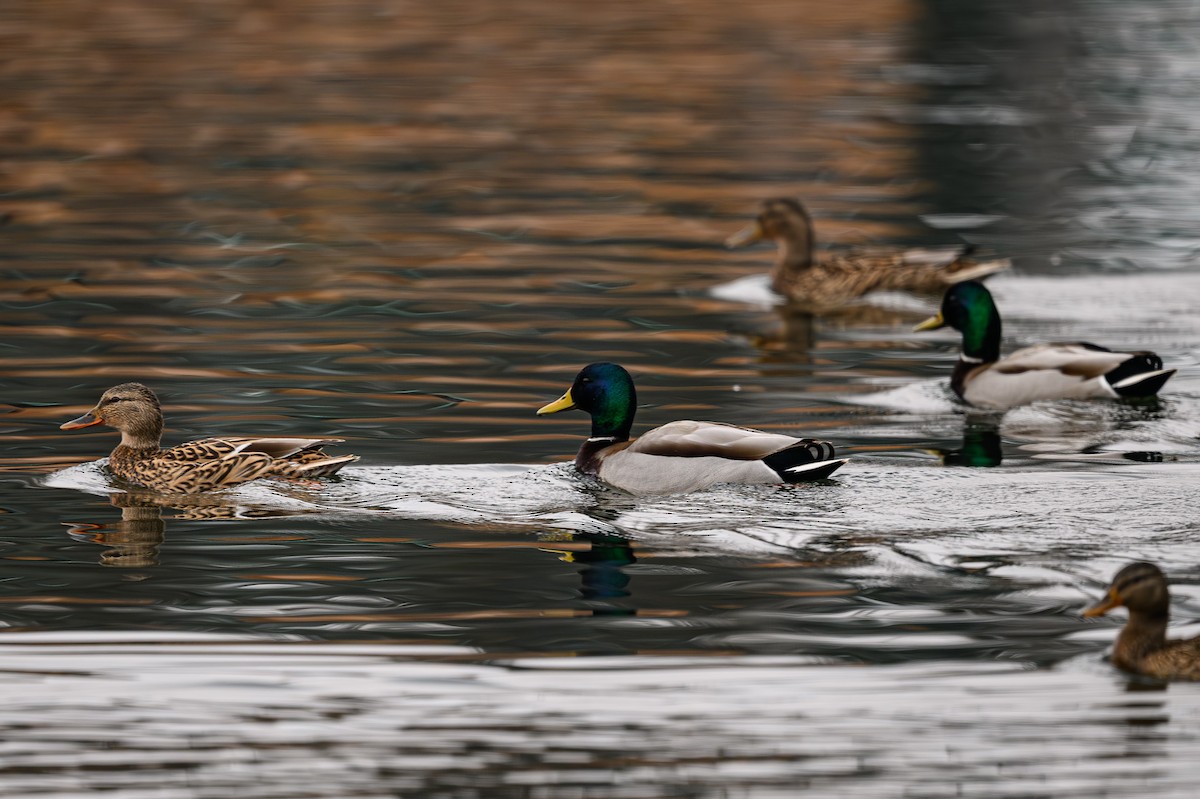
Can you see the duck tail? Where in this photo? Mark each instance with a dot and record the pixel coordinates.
(964, 269)
(325, 466)
(1141, 375)
(805, 460)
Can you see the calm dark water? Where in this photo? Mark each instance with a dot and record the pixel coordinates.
(408, 225)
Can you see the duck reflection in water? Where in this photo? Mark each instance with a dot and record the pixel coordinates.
(981, 445)
(602, 575)
(798, 332)
(134, 541)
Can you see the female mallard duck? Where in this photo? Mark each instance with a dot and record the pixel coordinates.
(1142, 647)
(839, 278)
(1042, 372)
(204, 465)
(679, 456)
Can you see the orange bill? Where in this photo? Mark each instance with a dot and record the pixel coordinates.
(87, 420)
(1107, 602)
(747, 235)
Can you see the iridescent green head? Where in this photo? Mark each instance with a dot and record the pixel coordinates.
(968, 308)
(604, 390)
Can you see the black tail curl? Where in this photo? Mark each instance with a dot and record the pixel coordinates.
(1140, 363)
(807, 452)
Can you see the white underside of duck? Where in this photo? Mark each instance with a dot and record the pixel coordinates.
(654, 474)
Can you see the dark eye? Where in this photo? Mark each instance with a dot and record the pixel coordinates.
(111, 400)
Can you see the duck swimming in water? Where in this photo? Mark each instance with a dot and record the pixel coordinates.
(1078, 370)
(682, 456)
(838, 278)
(1142, 647)
(204, 465)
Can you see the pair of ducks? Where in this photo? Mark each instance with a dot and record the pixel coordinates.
(981, 378)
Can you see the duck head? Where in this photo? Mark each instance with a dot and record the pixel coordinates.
(131, 408)
(606, 392)
(787, 223)
(1141, 587)
(968, 307)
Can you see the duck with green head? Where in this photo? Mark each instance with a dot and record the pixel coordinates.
(836, 278)
(1142, 647)
(682, 456)
(1077, 370)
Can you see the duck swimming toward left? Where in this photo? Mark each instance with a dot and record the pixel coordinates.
(682, 456)
(205, 465)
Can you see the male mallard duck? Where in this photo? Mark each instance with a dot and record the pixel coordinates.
(679, 456)
(1044, 371)
(204, 465)
(839, 278)
(1142, 647)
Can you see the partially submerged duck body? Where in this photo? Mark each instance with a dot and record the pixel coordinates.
(1075, 370)
(838, 278)
(1142, 646)
(681, 456)
(204, 465)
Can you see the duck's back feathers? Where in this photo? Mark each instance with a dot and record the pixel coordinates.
(1062, 371)
(690, 439)
(219, 447)
(842, 277)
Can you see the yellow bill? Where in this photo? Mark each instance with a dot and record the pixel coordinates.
(563, 403)
(932, 323)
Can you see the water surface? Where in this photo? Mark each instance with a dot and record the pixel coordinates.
(408, 225)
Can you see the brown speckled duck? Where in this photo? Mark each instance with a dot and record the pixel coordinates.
(1142, 647)
(838, 278)
(205, 465)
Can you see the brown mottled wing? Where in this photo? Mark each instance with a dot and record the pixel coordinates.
(831, 282)
(688, 439)
(311, 464)
(840, 277)
(1178, 660)
(189, 477)
(211, 448)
